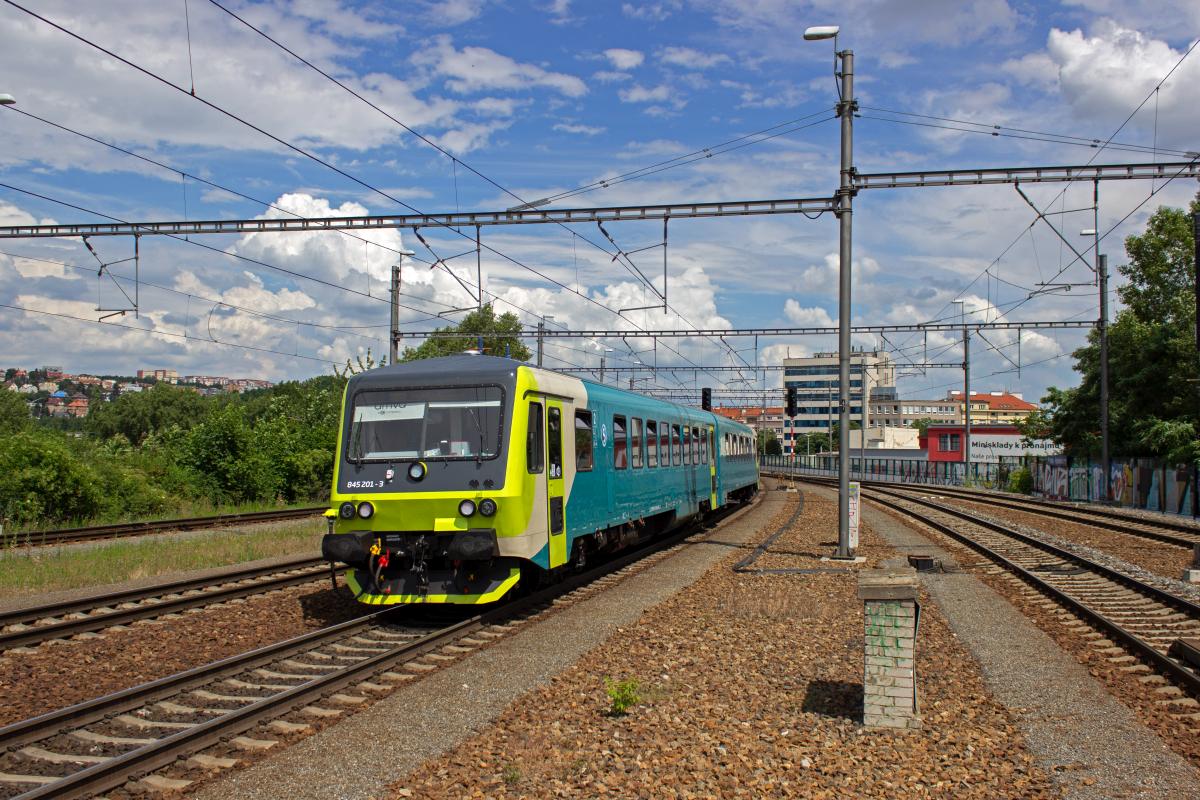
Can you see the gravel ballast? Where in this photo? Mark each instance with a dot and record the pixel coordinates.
(751, 686)
(60, 673)
(748, 684)
(1093, 744)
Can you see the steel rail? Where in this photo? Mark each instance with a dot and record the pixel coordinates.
(1143, 649)
(1098, 518)
(315, 569)
(162, 752)
(119, 529)
(1082, 515)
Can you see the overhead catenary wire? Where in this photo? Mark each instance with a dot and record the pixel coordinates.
(172, 334)
(455, 161)
(1094, 155)
(289, 145)
(1018, 133)
(299, 150)
(349, 329)
(177, 238)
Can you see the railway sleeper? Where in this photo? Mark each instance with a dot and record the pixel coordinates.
(62, 758)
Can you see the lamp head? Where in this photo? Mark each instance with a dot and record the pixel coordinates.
(1088, 232)
(821, 32)
(7, 99)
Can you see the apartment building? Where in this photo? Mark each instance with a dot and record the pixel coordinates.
(817, 381)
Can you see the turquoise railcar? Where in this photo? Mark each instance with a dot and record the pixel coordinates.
(459, 478)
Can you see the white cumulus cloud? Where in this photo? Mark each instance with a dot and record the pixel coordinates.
(623, 59)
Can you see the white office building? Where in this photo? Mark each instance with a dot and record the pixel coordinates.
(816, 378)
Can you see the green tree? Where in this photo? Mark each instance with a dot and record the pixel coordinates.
(922, 425)
(1152, 358)
(768, 443)
(812, 443)
(138, 414)
(501, 337)
(14, 412)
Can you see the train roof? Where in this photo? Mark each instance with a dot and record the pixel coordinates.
(446, 369)
(469, 368)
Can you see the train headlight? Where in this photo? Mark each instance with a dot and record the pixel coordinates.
(487, 507)
(366, 510)
(346, 510)
(466, 508)
(416, 471)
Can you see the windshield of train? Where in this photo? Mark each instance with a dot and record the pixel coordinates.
(438, 423)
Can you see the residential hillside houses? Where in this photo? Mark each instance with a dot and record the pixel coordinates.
(51, 392)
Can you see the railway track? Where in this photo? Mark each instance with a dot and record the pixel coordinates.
(32, 626)
(1141, 621)
(104, 743)
(123, 529)
(1165, 531)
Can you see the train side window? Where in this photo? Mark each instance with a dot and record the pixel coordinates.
(619, 443)
(535, 441)
(676, 453)
(651, 443)
(584, 458)
(664, 444)
(706, 446)
(687, 445)
(635, 442)
(554, 425)
(695, 445)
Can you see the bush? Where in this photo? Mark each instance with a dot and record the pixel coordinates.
(623, 695)
(1021, 481)
(42, 479)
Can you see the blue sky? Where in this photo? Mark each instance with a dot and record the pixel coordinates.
(545, 96)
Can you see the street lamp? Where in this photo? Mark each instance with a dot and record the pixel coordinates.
(1102, 276)
(846, 107)
(7, 99)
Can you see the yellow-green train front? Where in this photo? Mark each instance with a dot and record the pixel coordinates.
(458, 478)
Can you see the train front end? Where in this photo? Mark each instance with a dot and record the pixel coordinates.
(424, 508)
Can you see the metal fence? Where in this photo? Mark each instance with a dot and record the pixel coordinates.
(1145, 483)
(984, 475)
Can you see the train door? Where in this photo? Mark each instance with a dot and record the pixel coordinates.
(712, 468)
(689, 468)
(554, 483)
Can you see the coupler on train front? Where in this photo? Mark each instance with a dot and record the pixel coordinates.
(463, 567)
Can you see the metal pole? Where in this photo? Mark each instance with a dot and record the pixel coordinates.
(1105, 462)
(394, 338)
(602, 369)
(479, 269)
(862, 428)
(540, 339)
(845, 194)
(966, 398)
(1196, 271)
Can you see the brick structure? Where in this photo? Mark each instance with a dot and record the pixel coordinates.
(891, 617)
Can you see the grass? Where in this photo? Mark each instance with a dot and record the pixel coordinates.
(34, 570)
(184, 510)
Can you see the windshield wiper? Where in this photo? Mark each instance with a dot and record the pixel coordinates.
(356, 453)
(478, 427)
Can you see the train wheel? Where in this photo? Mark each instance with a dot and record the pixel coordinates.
(579, 555)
